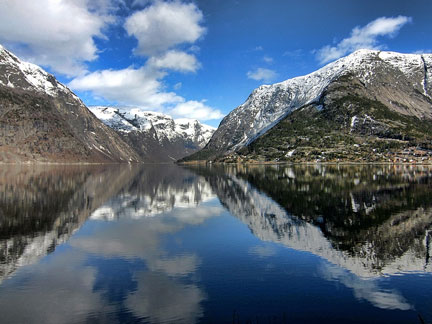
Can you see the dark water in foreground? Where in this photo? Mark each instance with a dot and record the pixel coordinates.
(164, 244)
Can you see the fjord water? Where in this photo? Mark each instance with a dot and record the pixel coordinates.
(257, 244)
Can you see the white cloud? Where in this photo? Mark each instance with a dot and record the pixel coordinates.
(159, 29)
(294, 53)
(143, 88)
(140, 3)
(196, 110)
(423, 51)
(262, 74)
(103, 6)
(164, 25)
(194, 49)
(175, 60)
(268, 59)
(363, 37)
(58, 34)
(140, 87)
(178, 86)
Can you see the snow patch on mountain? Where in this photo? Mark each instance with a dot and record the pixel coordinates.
(268, 104)
(404, 62)
(111, 118)
(134, 119)
(19, 74)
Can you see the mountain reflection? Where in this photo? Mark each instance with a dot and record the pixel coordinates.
(155, 190)
(154, 246)
(371, 220)
(41, 207)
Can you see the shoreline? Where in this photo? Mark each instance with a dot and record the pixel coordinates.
(304, 163)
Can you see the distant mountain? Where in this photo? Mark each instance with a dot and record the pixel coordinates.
(370, 105)
(155, 136)
(42, 120)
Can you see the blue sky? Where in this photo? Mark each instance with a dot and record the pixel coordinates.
(200, 59)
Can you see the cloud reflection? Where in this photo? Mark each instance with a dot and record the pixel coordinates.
(122, 263)
(263, 251)
(366, 289)
(141, 238)
(166, 291)
(67, 290)
(160, 299)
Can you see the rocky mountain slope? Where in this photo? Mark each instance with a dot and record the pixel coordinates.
(155, 136)
(369, 100)
(42, 120)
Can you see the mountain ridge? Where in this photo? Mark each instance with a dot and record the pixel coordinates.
(41, 120)
(157, 137)
(398, 82)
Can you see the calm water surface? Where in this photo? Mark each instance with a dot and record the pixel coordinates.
(165, 244)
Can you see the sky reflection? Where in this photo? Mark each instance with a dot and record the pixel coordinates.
(171, 245)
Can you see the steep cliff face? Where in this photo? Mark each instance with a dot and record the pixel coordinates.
(155, 136)
(366, 93)
(42, 120)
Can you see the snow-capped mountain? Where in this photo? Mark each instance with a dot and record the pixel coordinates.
(156, 136)
(400, 82)
(45, 121)
(42, 120)
(27, 76)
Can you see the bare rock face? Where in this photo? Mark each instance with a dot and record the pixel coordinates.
(155, 136)
(400, 84)
(41, 120)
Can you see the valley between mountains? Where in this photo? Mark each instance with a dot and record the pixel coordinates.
(371, 106)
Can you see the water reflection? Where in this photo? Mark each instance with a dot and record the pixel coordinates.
(156, 190)
(42, 207)
(59, 292)
(160, 299)
(366, 289)
(145, 244)
(371, 220)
